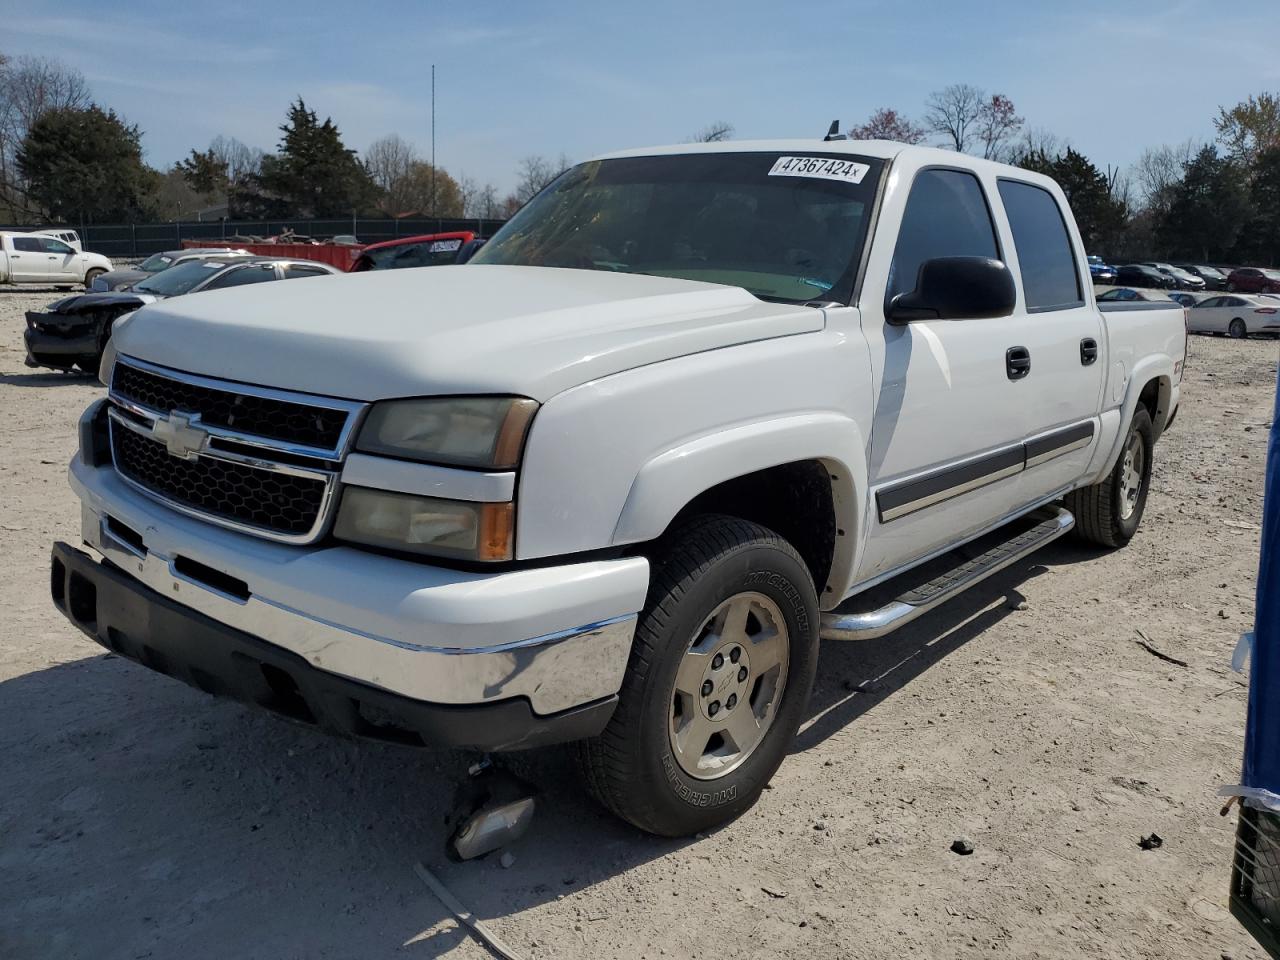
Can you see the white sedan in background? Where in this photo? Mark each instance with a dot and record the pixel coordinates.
(1236, 314)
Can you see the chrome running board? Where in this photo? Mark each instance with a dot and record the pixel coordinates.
(1050, 524)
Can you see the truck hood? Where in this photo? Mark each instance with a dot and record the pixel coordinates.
(533, 331)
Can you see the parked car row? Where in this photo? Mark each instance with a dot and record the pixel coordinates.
(1194, 277)
(1237, 315)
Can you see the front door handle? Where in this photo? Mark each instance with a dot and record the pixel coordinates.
(1017, 362)
(1088, 351)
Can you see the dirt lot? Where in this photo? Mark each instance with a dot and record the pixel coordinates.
(139, 818)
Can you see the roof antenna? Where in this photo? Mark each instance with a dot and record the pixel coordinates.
(834, 132)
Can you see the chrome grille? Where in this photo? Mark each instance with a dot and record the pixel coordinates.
(273, 418)
(270, 500)
(256, 460)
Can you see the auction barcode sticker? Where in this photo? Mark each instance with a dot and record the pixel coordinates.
(821, 168)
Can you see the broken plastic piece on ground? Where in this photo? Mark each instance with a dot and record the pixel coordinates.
(494, 809)
(1152, 842)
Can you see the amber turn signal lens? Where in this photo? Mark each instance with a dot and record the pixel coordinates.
(497, 532)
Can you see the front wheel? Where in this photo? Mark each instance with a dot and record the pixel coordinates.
(1108, 513)
(91, 276)
(717, 684)
(1237, 329)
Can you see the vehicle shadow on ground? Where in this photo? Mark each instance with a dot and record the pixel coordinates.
(48, 378)
(144, 818)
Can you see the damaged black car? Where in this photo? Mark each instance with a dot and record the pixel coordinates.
(72, 333)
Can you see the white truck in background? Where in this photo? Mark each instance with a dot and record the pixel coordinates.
(691, 410)
(40, 258)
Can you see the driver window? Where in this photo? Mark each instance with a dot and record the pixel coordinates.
(946, 216)
(55, 246)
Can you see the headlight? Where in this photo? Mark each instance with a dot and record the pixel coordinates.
(478, 432)
(440, 528)
(108, 364)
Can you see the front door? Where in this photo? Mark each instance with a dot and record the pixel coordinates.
(60, 260)
(946, 443)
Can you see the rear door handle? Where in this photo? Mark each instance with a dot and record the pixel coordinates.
(1088, 351)
(1017, 362)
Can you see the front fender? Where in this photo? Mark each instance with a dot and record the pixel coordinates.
(673, 478)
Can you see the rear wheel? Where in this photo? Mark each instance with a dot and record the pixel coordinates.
(1238, 329)
(1108, 513)
(717, 683)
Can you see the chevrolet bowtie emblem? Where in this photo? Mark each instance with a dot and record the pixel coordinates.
(180, 435)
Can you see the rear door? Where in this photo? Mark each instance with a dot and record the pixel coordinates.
(1061, 331)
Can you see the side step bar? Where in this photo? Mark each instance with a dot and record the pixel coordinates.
(1052, 523)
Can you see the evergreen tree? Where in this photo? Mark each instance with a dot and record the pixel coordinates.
(1100, 216)
(84, 165)
(1207, 210)
(313, 175)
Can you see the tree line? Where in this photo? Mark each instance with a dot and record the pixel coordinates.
(1208, 202)
(64, 157)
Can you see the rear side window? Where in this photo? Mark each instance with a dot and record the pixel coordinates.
(28, 245)
(1049, 277)
(292, 271)
(946, 216)
(243, 275)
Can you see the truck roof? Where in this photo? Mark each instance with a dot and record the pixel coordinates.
(879, 149)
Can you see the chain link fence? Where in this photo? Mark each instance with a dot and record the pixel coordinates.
(131, 240)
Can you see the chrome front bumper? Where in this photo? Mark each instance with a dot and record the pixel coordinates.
(558, 636)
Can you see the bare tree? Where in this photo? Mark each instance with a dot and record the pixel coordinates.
(485, 203)
(467, 188)
(535, 172)
(241, 160)
(955, 113)
(29, 86)
(713, 133)
(390, 162)
(1159, 170)
(887, 124)
(998, 123)
(1037, 141)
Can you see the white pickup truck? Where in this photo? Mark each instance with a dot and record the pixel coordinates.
(691, 410)
(47, 260)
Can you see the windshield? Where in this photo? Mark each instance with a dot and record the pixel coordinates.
(155, 263)
(783, 227)
(1271, 274)
(178, 280)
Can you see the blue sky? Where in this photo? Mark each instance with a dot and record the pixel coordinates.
(521, 78)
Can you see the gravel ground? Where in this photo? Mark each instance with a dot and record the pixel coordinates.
(140, 818)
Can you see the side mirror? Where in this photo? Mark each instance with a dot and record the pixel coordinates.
(956, 288)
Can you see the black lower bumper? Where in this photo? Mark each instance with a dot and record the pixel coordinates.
(52, 350)
(134, 621)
